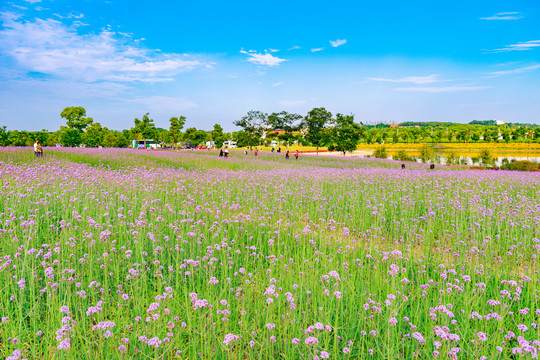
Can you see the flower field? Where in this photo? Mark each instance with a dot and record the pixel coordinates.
(125, 254)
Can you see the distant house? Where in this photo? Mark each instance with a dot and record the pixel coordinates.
(499, 122)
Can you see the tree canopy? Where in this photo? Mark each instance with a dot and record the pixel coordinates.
(76, 118)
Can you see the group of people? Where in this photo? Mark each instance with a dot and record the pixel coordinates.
(223, 153)
(38, 150)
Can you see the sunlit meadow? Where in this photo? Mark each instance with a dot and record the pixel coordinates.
(125, 254)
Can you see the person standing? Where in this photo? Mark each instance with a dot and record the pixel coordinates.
(35, 148)
(39, 150)
(296, 155)
(287, 155)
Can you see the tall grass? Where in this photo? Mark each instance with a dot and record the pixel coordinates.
(125, 254)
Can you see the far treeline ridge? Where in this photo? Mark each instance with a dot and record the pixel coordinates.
(317, 128)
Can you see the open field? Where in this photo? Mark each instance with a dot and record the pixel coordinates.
(126, 254)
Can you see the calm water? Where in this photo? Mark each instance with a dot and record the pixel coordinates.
(469, 160)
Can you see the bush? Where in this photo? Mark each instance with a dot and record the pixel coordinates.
(380, 153)
(402, 155)
(426, 153)
(452, 158)
(486, 157)
(522, 165)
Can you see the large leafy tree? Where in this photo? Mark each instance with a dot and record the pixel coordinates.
(194, 136)
(70, 137)
(94, 135)
(218, 137)
(343, 134)
(76, 118)
(177, 124)
(283, 121)
(4, 136)
(115, 139)
(144, 128)
(314, 124)
(252, 124)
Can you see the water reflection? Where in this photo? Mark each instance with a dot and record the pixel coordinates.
(471, 160)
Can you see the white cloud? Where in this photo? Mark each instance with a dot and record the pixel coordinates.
(526, 45)
(166, 103)
(55, 48)
(338, 42)
(511, 15)
(516, 71)
(277, 83)
(442, 89)
(295, 47)
(273, 50)
(317, 49)
(411, 79)
(292, 103)
(265, 59)
(33, 1)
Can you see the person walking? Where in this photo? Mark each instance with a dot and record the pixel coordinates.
(296, 155)
(287, 155)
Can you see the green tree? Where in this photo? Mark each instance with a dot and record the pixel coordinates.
(144, 128)
(195, 136)
(252, 124)
(314, 124)
(115, 139)
(486, 157)
(76, 118)
(70, 137)
(177, 124)
(4, 136)
(94, 135)
(426, 153)
(343, 135)
(380, 153)
(452, 158)
(395, 137)
(218, 137)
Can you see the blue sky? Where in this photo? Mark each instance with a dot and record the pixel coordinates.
(212, 61)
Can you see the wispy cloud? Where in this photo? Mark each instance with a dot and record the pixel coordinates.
(295, 47)
(317, 49)
(58, 49)
(277, 84)
(33, 1)
(265, 59)
(292, 103)
(411, 79)
(511, 15)
(338, 42)
(273, 50)
(443, 89)
(517, 71)
(526, 45)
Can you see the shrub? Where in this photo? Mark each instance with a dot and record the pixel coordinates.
(452, 158)
(522, 165)
(402, 155)
(380, 153)
(486, 157)
(426, 153)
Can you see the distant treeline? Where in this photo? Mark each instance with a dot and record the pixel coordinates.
(317, 128)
